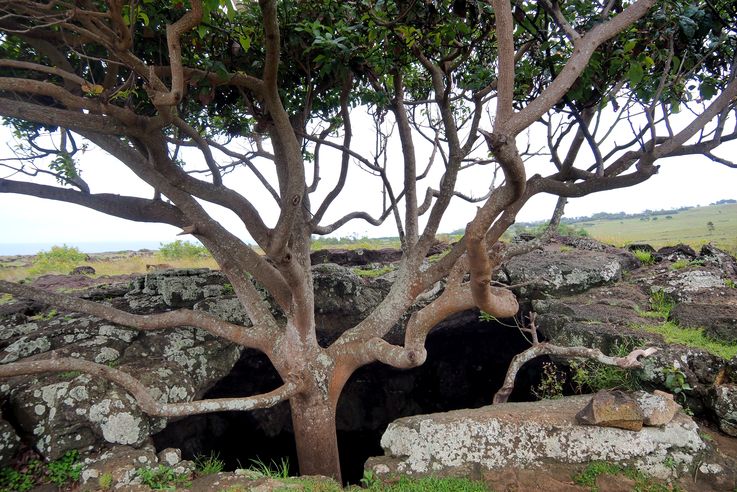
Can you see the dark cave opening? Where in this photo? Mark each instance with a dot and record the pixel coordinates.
(466, 364)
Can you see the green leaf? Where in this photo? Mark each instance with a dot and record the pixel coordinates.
(707, 89)
(245, 42)
(144, 18)
(635, 73)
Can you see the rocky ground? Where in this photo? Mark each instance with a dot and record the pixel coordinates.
(584, 293)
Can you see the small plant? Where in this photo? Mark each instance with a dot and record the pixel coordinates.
(208, 465)
(683, 263)
(105, 481)
(228, 289)
(369, 479)
(591, 376)
(65, 469)
(272, 469)
(179, 250)
(551, 383)
(163, 478)
(728, 282)
(566, 249)
(660, 305)
(643, 483)
(62, 472)
(676, 382)
(645, 257)
(431, 484)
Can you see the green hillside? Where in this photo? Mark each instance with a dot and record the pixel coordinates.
(689, 226)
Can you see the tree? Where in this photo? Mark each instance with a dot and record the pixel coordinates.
(595, 86)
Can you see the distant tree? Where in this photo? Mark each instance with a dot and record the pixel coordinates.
(710, 226)
(273, 87)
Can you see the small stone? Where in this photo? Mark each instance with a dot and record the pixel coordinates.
(612, 409)
(170, 456)
(658, 408)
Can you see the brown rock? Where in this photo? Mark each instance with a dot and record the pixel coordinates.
(612, 409)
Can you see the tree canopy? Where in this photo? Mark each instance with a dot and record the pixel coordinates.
(183, 92)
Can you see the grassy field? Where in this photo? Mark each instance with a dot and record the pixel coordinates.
(688, 226)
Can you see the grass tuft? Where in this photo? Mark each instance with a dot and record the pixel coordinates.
(691, 337)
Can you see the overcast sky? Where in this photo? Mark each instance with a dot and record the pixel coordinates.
(684, 181)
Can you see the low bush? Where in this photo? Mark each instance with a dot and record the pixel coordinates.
(178, 250)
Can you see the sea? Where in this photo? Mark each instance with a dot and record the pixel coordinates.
(11, 249)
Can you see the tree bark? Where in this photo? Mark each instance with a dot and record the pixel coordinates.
(313, 419)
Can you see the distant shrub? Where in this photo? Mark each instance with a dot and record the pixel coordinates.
(58, 258)
(179, 250)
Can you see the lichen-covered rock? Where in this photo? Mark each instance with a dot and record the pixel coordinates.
(725, 407)
(9, 443)
(67, 411)
(228, 308)
(612, 409)
(530, 435)
(658, 408)
(552, 272)
(116, 468)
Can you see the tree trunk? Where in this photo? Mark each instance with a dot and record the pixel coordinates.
(313, 419)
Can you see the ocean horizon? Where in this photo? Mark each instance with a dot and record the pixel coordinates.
(11, 249)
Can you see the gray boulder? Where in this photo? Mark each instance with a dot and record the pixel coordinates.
(65, 411)
(725, 407)
(552, 272)
(531, 435)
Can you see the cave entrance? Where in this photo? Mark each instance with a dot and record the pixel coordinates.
(466, 363)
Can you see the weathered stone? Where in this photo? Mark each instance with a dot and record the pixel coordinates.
(658, 408)
(528, 435)
(718, 320)
(169, 456)
(725, 407)
(119, 466)
(83, 270)
(677, 252)
(226, 308)
(550, 272)
(9, 443)
(612, 409)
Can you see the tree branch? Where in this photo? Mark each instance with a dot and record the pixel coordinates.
(254, 337)
(140, 393)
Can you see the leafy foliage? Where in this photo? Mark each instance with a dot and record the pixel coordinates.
(58, 258)
(178, 250)
(163, 478)
(61, 473)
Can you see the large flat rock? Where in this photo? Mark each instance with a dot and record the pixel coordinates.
(530, 435)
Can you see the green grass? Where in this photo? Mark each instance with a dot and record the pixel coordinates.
(163, 478)
(273, 469)
(687, 226)
(208, 465)
(645, 257)
(430, 484)
(691, 337)
(62, 473)
(643, 483)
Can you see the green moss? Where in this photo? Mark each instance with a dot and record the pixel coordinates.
(643, 483)
(691, 337)
(372, 272)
